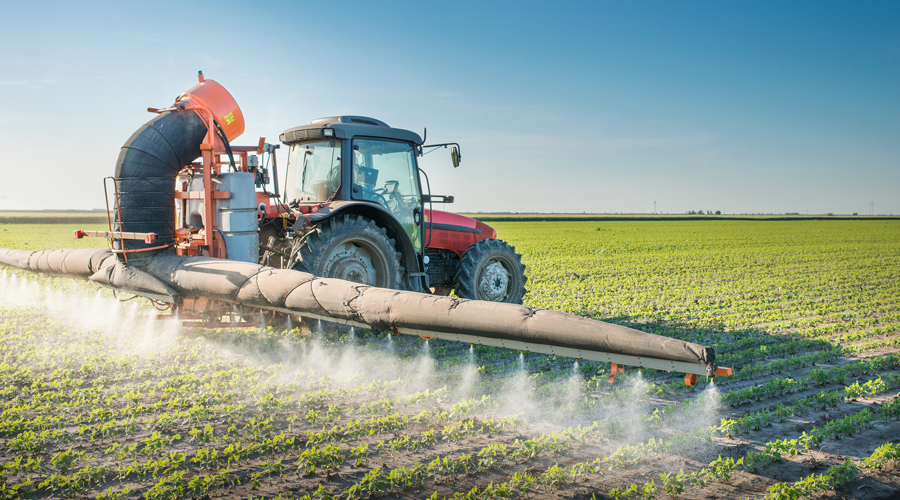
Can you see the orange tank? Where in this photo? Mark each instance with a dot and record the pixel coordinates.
(211, 95)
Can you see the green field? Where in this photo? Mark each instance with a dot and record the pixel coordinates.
(54, 217)
(102, 400)
(48, 236)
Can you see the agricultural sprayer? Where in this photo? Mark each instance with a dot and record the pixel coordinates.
(353, 239)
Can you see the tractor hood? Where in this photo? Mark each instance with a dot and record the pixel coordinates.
(436, 219)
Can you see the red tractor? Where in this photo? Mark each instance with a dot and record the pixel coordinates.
(354, 209)
(353, 205)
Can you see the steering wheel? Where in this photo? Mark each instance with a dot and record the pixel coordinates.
(382, 200)
(407, 201)
(376, 195)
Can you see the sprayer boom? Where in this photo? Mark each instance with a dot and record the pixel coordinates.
(179, 279)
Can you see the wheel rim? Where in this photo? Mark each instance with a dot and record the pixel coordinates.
(358, 262)
(494, 281)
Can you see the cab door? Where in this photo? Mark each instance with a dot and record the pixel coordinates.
(385, 172)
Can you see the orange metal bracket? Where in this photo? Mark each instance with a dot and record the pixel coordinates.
(691, 378)
(161, 111)
(612, 373)
(149, 238)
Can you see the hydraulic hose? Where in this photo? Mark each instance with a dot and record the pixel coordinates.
(221, 134)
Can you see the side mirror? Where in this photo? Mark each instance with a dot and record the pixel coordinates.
(454, 156)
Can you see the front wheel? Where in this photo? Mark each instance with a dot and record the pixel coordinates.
(491, 270)
(351, 248)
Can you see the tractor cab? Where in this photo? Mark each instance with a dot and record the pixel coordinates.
(353, 158)
(354, 189)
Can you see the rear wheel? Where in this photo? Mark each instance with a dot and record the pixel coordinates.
(351, 248)
(491, 270)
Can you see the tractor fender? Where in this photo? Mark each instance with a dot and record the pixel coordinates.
(377, 213)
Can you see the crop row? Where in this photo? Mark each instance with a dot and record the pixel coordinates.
(803, 406)
(172, 464)
(382, 481)
(817, 376)
(723, 469)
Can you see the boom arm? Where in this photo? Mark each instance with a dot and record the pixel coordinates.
(171, 278)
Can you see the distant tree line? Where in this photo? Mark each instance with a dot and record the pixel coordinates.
(701, 212)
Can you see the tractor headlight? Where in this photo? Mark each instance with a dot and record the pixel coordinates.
(328, 132)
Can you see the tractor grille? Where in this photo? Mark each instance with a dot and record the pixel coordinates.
(301, 134)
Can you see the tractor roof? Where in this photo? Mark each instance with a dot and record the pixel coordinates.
(347, 127)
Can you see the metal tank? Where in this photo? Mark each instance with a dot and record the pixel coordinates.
(236, 217)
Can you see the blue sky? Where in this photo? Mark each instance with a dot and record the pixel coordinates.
(582, 106)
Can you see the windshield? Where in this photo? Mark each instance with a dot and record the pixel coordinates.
(314, 171)
(385, 172)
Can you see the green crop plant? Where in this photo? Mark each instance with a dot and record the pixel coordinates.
(813, 484)
(555, 476)
(64, 460)
(319, 458)
(881, 456)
